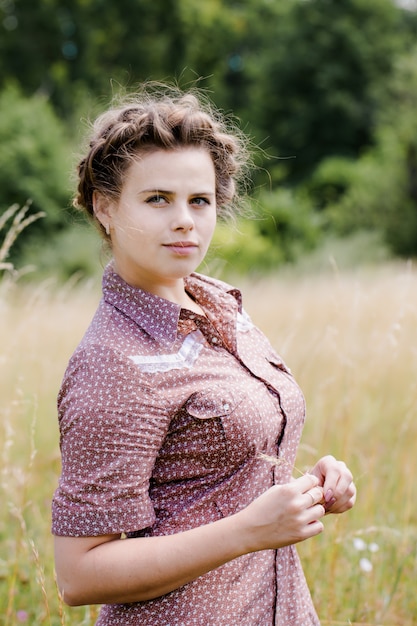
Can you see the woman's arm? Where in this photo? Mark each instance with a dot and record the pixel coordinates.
(108, 569)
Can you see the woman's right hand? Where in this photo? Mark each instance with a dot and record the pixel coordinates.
(283, 515)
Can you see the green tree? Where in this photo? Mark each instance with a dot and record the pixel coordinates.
(326, 74)
(34, 162)
(63, 47)
(308, 79)
(378, 191)
(69, 47)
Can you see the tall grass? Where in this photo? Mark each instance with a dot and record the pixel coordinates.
(351, 341)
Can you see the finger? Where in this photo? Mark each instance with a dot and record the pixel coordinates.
(344, 503)
(315, 527)
(304, 483)
(314, 513)
(315, 496)
(323, 466)
(337, 481)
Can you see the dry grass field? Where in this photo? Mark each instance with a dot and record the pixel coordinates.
(351, 341)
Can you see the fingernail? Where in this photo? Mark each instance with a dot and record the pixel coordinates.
(329, 496)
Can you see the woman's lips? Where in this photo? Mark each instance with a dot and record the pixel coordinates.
(182, 248)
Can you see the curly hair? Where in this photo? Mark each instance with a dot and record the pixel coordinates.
(156, 119)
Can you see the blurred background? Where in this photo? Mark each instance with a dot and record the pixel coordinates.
(327, 90)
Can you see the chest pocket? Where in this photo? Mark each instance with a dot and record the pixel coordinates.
(202, 438)
(224, 411)
(211, 403)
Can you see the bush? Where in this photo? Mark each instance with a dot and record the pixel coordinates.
(287, 218)
(282, 228)
(34, 161)
(378, 191)
(241, 249)
(73, 253)
(372, 193)
(330, 181)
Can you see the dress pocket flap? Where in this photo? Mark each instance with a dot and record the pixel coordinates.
(211, 403)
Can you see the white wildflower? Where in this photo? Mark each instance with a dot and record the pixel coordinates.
(365, 565)
(359, 544)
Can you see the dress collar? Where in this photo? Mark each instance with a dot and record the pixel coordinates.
(159, 317)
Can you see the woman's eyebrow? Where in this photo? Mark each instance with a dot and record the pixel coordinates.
(166, 192)
(158, 191)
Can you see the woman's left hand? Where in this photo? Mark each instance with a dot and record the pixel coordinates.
(339, 491)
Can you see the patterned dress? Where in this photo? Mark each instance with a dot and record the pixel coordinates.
(164, 417)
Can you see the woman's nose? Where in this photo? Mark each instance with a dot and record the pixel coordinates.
(183, 219)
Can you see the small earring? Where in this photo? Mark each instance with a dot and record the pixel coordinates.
(107, 229)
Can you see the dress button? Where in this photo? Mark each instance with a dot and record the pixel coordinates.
(214, 340)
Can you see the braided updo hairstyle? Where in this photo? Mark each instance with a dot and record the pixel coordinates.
(157, 119)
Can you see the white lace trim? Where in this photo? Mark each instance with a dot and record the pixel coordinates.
(243, 322)
(184, 358)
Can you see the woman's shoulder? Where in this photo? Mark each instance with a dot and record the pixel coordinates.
(215, 283)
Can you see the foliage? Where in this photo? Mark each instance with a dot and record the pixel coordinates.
(74, 253)
(281, 228)
(321, 81)
(34, 156)
(378, 190)
(330, 181)
(377, 198)
(327, 67)
(241, 249)
(302, 75)
(286, 218)
(397, 147)
(88, 45)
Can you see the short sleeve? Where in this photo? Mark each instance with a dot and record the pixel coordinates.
(112, 426)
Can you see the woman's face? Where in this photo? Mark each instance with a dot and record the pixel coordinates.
(163, 223)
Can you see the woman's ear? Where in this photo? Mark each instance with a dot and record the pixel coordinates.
(102, 210)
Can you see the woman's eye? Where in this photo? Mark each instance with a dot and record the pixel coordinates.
(156, 199)
(200, 201)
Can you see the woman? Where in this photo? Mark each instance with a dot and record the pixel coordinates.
(169, 509)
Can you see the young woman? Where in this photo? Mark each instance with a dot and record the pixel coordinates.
(168, 511)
